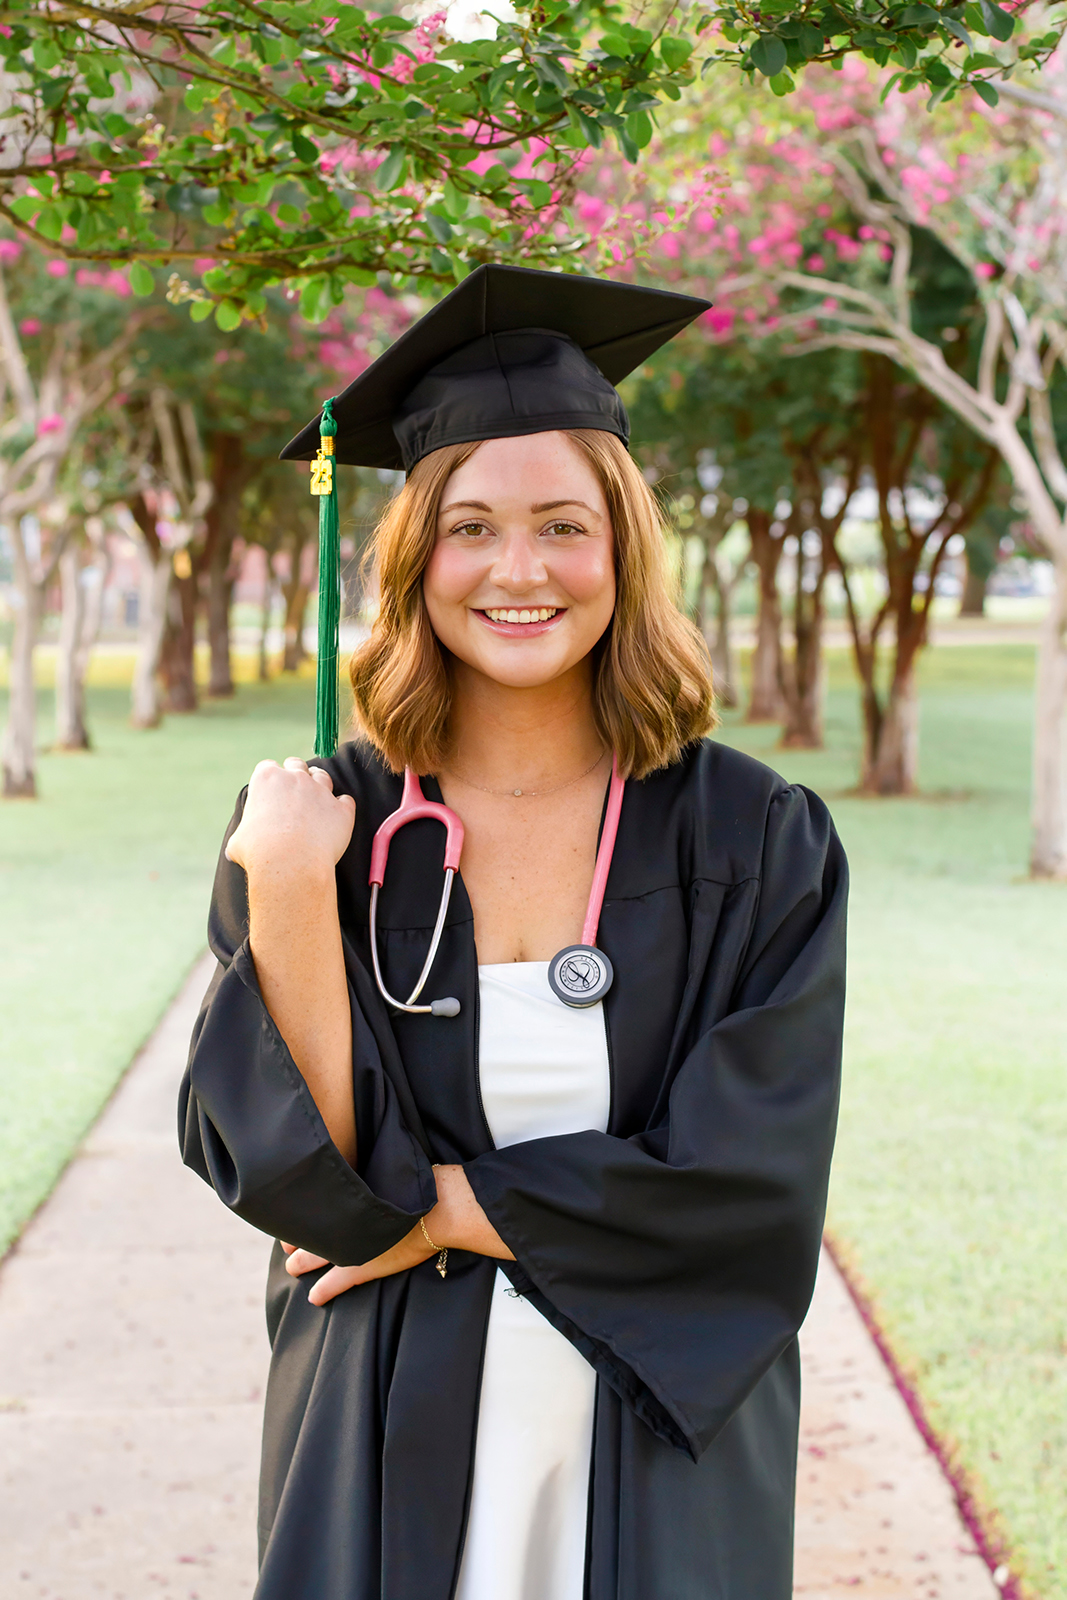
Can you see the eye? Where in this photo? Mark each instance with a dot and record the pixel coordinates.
(563, 528)
(469, 529)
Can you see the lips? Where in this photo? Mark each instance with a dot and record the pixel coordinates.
(523, 622)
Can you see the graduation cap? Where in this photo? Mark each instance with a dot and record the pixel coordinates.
(510, 351)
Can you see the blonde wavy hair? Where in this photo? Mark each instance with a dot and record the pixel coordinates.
(652, 689)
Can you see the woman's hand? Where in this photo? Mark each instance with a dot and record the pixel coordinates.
(292, 820)
(457, 1222)
(410, 1252)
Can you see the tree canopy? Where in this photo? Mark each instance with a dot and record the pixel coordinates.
(310, 143)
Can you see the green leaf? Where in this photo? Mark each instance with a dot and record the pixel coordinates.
(195, 95)
(304, 150)
(781, 83)
(200, 310)
(26, 207)
(456, 202)
(810, 40)
(538, 192)
(675, 52)
(392, 170)
(227, 316)
(639, 128)
(630, 151)
(141, 280)
(216, 216)
(918, 17)
(288, 213)
(957, 30)
(311, 300)
(45, 53)
(590, 130)
(768, 54)
(999, 23)
(441, 230)
(613, 44)
(985, 91)
(50, 223)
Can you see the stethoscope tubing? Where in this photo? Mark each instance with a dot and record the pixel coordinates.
(414, 805)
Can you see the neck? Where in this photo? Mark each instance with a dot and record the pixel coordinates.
(506, 738)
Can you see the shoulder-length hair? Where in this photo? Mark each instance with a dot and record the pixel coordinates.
(652, 689)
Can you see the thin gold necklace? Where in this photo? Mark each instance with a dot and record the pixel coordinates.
(507, 794)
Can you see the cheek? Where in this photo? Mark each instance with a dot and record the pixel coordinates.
(450, 575)
(588, 575)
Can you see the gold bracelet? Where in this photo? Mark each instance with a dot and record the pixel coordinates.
(442, 1254)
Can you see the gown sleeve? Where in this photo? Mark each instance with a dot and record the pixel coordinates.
(681, 1262)
(247, 1122)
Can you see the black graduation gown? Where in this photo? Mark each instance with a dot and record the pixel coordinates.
(677, 1251)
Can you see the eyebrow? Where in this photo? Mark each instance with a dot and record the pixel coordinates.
(546, 505)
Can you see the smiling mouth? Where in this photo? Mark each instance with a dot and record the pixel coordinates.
(525, 616)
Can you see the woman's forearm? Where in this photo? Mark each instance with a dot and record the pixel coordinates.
(295, 939)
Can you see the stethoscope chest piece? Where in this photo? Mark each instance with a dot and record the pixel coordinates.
(580, 975)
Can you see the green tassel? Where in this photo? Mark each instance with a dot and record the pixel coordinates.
(324, 484)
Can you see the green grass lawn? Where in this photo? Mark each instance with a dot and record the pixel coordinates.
(104, 883)
(949, 1186)
(950, 1183)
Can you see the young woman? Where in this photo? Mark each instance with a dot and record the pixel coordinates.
(534, 1320)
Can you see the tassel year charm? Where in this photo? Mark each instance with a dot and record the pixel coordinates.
(324, 485)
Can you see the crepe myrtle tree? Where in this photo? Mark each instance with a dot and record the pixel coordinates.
(317, 145)
(991, 190)
(62, 365)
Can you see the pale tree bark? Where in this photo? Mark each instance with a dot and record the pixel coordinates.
(71, 731)
(72, 386)
(765, 699)
(18, 756)
(154, 568)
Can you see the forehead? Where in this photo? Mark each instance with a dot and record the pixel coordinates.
(532, 467)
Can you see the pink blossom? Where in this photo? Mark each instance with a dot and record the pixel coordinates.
(720, 319)
(10, 249)
(116, 282)
(984, 269)
(57, 269)
(824, 210)
(203, 264)
(670, 247)
(53, 423)
(751, 314)
(88, 278)
(29, 327)
(886, 252)
(103, 177)
(830, 304)
(816, 264)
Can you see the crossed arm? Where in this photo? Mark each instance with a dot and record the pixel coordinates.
(293, 832)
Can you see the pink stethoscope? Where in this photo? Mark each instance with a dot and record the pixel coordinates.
(580, 975)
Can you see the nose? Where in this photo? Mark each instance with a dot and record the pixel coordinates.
(519, 565)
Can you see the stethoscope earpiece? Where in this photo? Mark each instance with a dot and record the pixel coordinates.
(580, 975)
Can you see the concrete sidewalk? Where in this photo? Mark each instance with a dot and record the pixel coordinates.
(132, 1364)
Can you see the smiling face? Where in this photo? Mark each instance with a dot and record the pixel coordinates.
(521, 581)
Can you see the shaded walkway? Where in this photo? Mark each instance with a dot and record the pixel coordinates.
(133, 1357)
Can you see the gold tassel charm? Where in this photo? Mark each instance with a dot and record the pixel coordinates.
(442, 1255)
(322, 467)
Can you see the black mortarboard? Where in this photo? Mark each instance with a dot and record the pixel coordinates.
(510, 351)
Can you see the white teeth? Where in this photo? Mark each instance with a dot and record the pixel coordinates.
(496, 614)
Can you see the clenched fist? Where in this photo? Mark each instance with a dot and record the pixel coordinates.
(292, 821)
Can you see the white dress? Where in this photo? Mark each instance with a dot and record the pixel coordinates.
(543, 1068)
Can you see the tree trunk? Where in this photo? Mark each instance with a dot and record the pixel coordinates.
(891, 745)
(177, 666)
(19, 753)
(295, 592)
(72, 658)
(765, 700)
(265, 621)
(803, 682)
(1048, 849)
(229, 474)
(973, 602)
(145, 708)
